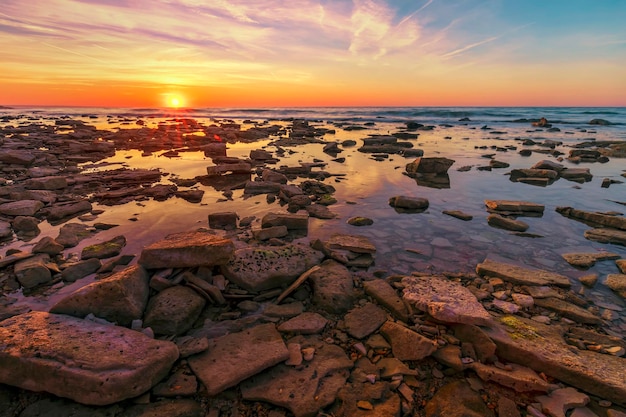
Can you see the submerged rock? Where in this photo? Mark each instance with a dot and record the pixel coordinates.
(187, 249)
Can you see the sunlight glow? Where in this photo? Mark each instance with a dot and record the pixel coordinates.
(174, 101)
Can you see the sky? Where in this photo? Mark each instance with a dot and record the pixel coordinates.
(275, 53)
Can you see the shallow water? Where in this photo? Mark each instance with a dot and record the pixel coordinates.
(445, 243)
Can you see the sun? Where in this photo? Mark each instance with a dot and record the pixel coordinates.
(174, 101)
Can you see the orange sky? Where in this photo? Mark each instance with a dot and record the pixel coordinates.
(133, 53)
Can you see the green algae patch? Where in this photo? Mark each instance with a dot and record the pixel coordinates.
(518, 329)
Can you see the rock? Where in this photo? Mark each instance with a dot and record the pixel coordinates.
(429, 166)
(169, 408)
(507, 408)
(457, 399)
(234, 168)
(458, 214)
(621, 265)
(17, 157)
(542, 348)
(104, 250)
(71, 234)
(360, 322)
(521, 276)
(60, 212)
(282, 311)
(505, 223)
(282, 385)
(601, 122)
(617, 282)
(587, 260)
(354, 243)
(484, 348)
(595, 219)
(516, 377)
(6, 231)
(577, 174)
(48, 245)
(320, 211)
(224, 220)
(21, 208)
(333, 289)
(409, 203)
(46, 183)
(121, 297)
(305, 323)
(385, 295)
(568, 310)
(261, 187)
(606, 235)
(561, 400)
(360, 221)
(77, 359)
(235, 357)
(270, 232)
(444, 300)
(257, 269)
(406, 344)
(187, 249)
(33, 271)
(291, 221)
(550, 165)
(80, 269)
(589, 280)
(173, 311)
(519, 208)
(26, 225)
(517, 175)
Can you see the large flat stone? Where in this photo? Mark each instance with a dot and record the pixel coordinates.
(302, 390)
(381, 291)
(587, 260)
(406, 344)
(522, 276)
(258, 269)
(120, 298)
(569, 310)
(607, 235)
(594, 219)
(81, 360)
(21, 208)
(543, 349)
(232, 358)
(514, 206)
(354, 243)
(187, 250)
(333, 288)
(444, 300)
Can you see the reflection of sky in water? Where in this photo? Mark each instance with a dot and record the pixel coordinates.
(444, 243)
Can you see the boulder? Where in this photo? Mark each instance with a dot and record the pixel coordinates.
(429, 166)
(173, 311)
(261, 187)
(108, 249)
(71, 234)
(81, 269)
(550, 165)
(385, 295)
(187, 249)
(60, 212)
(333, 288)
(120, 298)
(283, 385)
(5, 230)
(521, 276)
(87, 362)
(519, 208)
(408, 203)
(258, 269)
(223, 220)
(406, 344)
(444, 300)
(48, 245)
(46, 183)
(291, 221)
(235, 357)
(577, 174)
(21, 208)
(33, 271)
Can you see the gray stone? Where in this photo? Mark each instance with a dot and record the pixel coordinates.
(385, 295)
(21, 208)
(81, 269)
(187, 249)
(406, 344)
(576, 174)
(521, 276)
(457, 399)
(77, 359)
(235, 357)
(542, 348)
(360, 322)
(302, 390)
(33, 271)
(305, 323)
(444, 300)
(121, 297)
(333, 289)
(320, 211)
(173, 311)
(257, 269)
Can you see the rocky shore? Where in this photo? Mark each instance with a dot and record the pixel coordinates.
(264, 316)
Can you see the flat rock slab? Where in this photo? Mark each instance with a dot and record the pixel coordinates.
(302, 390)
(87, 362)
(514, 206)
(495, 220)
(187, 250)
(521, 276)
(517, 377)
(119, 298)
(617, 282)
(232, 358)
(569, 310)
(587, 260)
(589, 217)
(363, 321)
(406, 344)
(353, 243)
(21, 208)
(333, 288)
(606, 235)
(385, 295)
(258, 269)
(543, 349)
(305, 323)
(444, 300)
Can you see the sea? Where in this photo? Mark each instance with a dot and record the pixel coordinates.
(406, 242)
